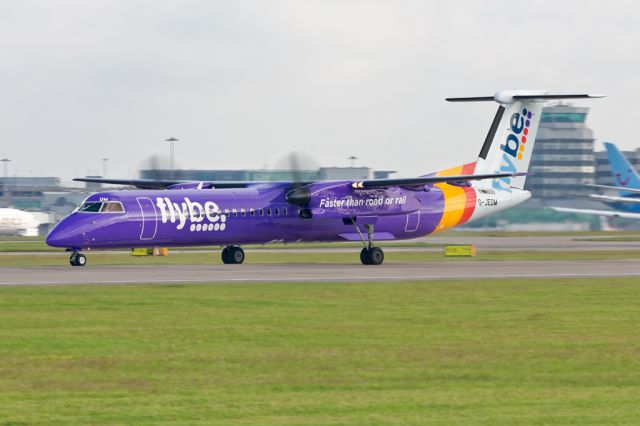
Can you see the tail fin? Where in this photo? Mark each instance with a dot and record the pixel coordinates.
(623, 172)
(509, 143)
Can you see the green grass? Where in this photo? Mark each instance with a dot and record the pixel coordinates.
(35, 244)
(259, 256)
(441, 353)
(40, 246)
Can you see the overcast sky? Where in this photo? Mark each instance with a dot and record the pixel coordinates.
(242, 83)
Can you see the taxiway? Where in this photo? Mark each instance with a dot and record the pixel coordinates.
(469, 269)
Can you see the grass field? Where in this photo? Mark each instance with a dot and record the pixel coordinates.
(441, 353)
(35, 244)
(329, 257)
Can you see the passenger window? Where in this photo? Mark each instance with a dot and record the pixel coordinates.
(226, 212)
(235, 212)
(284, 211)
(269, 211)
(243, 212)
(261, 212)
(277, 211)
(252, 212)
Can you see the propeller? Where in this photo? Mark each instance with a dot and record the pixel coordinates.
(298, 165)
(156, 167)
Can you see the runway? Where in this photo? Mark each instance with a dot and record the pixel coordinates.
(256, 273)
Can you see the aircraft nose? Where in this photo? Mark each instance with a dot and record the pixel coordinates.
(61, 236)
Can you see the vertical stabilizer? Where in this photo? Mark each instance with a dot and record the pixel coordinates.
(623, 173)
(509, 143)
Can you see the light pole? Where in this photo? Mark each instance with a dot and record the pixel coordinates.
(6, 162)
(104, 167)
(5, 181)
(171, 141)
(353, 159)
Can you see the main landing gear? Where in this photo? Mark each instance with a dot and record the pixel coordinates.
(232, 255)
(77, 259)
(370, 255)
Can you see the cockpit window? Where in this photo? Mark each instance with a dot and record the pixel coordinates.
(102, 207)
(92, 207)
(112, 207)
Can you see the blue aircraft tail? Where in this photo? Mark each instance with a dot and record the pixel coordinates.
(623, 173)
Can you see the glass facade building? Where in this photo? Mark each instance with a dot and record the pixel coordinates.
(563, 160)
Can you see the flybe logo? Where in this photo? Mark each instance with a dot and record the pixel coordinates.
(513, 148)
(207, 217)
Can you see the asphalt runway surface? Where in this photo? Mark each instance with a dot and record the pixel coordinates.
(256, 273)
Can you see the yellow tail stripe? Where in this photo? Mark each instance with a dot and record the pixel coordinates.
(455, 201)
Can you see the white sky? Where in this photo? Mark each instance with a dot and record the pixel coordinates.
(242, 83)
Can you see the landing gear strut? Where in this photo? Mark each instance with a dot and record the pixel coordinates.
(77, 259)
(370, 255)
(232, 255)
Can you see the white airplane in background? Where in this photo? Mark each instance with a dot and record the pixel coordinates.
(18, 222)
(627, 181)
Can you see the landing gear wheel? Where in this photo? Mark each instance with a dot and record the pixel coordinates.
(372, 256)
(77, 259)
(364, 256)
(376, 256)
(225, 256)
(232, 255)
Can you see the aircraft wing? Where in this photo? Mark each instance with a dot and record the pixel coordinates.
(373, 183)
(611, 199)
(163, 184)
(619, 188)
(608, 213)
(382, 183)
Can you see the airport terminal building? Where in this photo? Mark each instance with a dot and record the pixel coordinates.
(563, 158)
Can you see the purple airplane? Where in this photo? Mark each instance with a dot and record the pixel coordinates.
(179, 213)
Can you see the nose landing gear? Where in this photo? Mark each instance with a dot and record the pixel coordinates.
(77, 259)
(232, 255)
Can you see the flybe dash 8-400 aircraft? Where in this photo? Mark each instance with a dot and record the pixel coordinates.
(229, 214)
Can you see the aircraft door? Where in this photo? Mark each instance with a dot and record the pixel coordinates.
(149, 225)
(413, 221)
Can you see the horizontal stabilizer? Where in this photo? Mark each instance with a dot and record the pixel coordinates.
(607, 213)
(511, 96)
(382, 183)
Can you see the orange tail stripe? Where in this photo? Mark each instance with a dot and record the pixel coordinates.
(470, 205)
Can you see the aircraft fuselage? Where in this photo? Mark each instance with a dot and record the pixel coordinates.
(261, 214)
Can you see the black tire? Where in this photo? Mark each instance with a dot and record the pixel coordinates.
(364, 256)
(226, 258)
(237, 255)
(376, 256)
(77, 259)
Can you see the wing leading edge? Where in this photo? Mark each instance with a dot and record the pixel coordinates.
(365, 184)
(165, 184)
